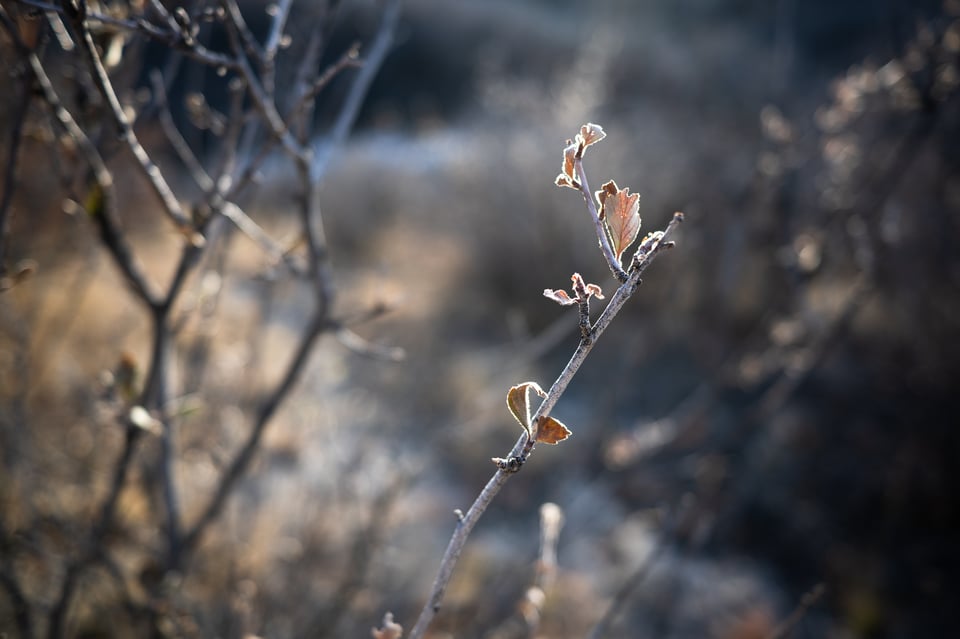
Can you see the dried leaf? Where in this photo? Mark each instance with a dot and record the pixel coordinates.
(620, 212)
(569, 166)
(390, 630)
(590, 133)
(559, 296)
(518, 401)
(551, 430)
(595, 290)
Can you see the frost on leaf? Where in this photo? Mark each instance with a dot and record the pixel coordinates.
(590, 133)
(581, 292)
(568, 175)
(620, 212)
(551, 430)
(595, 291)
(518, 401)
(559, 296)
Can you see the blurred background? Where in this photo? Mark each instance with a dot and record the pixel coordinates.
(762, 441)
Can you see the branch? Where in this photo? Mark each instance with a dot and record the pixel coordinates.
(10, 175)
(18, 601)
(524, 445)
(623, 594)
(323, 149)
(155, 178)
(261, 100)
(173, 38)
(241, 461)
(785, 627)
(103, 212)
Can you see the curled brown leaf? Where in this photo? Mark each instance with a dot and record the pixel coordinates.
(518, 401)
(590, 133)
(559, 296)
(551, 430)
(568, 174)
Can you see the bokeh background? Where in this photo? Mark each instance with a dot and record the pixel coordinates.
(769, 422)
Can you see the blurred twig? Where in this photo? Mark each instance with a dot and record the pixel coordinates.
(785, 627)
(78, 19)
(366, 543)
(16, 135)
(623, 595)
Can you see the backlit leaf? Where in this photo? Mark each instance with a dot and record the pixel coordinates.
(590, 133)
(518, 401)
(559, 296)
(568, 176)
(619, 211)
(551, 430)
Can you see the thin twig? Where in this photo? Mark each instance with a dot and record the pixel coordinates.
(261, 100)
(239, 26)
(622, 596)
(323, 149)
(241, 461)
(18, 601)
(808, 601)
(18, 118)
(155, 178)
(282, 11)
(104, 215)
(175, 138)
(272, 44)
(551, 521)
(366, 543)
(173, 38)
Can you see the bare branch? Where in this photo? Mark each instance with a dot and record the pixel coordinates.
(239, 26)
(808, 600)
(521, 450)
(155, 178)
(276, 30)
(261, 100)
(173, 37)
(244, 456)
(323, 149)
(176, 139)
(104, 215)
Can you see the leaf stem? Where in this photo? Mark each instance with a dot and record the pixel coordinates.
(605, 247)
